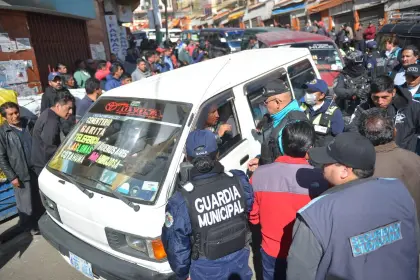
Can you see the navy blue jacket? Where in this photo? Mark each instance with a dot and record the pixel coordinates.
(347, 233)
(111, 82)
(337, 122)
(83, 106)
(176, 237)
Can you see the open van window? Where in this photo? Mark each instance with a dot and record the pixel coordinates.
(123, 145)
(324, 54)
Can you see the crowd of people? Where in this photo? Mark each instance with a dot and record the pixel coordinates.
(334, 189)
(325, 199)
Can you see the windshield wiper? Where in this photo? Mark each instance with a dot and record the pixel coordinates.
(71, 179)
(135, 207)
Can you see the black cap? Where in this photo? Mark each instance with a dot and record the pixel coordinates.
(275, 87)
(413, 70)
(349, 148)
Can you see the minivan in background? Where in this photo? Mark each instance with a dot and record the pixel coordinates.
(226, 40)
(324, 51)
(254, 31)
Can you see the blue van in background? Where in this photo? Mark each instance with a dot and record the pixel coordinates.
(223, 40)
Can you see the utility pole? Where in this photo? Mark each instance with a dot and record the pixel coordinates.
(155, 6)
(165, 2)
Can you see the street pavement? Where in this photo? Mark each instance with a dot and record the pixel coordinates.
(32, 257)
(26, 257)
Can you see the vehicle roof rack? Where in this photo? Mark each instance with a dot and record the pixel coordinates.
(404, 17)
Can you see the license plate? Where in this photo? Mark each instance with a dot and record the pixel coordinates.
(81, 265)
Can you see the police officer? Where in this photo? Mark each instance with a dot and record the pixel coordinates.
(325, 116)
(282, 109)
(205, 230)
(352, 85)
(371, 58)
(362, 227)
(412, 77)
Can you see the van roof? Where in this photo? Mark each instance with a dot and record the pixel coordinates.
(288, 37)
(198, 82)
(402, 28)
(222, 29)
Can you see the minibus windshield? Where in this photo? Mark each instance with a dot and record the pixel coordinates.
(123, 145)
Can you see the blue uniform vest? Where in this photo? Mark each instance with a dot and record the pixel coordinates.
(366, 229)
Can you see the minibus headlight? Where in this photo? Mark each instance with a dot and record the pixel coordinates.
(50, 206)
(136, 246)
(153, 248)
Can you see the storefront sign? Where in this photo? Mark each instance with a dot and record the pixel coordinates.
(114, 33)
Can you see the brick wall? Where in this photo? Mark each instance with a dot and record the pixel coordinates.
(15, 24)
(96, 28)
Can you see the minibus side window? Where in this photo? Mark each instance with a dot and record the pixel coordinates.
(255, 89)
(217, 113)
(300, 74)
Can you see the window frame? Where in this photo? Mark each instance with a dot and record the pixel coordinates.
(227, 96)
(300, 73)
(282, 71)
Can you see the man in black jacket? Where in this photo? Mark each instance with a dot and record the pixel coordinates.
(46, 134)
(399, 105)
(15, 161)
(48, 99)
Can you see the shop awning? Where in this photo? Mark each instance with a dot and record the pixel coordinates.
(325, 5)
(263, 11)
(283, 3)
(236, 15)
(288, 9)
(220, 15)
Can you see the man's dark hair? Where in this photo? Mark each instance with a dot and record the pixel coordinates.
(382, 83)
(101, 64)
(114, 68)
(7, 105)
(65, 78)
(377, 126)
(363, 173)
(149, 54)
(92, 84)
(392, 40)
(253, 37)
(140, 59)
(63, 96)
(412, 48)
(125, 76)
(297, 138)
(59, 65)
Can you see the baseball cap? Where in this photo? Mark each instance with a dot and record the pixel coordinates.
(201, 143)
(348, 148)
(53, 75)
(275, 87)
(413, 70)
(372, 45)
(316, 85)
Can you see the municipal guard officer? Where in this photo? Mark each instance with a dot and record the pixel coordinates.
(325, 116)
(371, 58)
(362, 227)
(282, 109)
(205, 230)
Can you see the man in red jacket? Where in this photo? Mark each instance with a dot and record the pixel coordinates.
(370, 32)
(280, 190)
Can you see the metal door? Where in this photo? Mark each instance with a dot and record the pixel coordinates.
(57, 39)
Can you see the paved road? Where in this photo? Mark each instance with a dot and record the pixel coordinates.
(26, 257)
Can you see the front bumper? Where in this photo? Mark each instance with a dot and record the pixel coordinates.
(103, 264)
